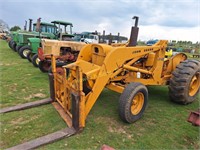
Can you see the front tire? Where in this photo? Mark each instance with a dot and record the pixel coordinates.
(35, 60)
(17, 48)
(30, 56)
(132, 102)
(44, 66)
(185, 82)
(23, 51)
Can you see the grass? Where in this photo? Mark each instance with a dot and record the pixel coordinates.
(163, 125)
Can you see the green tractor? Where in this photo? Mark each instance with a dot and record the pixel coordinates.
(15, 39)
(40, 30)
(13, 42)
(62, 33)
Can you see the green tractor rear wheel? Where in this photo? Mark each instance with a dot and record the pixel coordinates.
(17, 48)
(10, 43)
(13, 46)
(30, 56)
(23, 52)
(35, 60)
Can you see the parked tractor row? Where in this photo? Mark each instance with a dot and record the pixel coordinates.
(28, 44)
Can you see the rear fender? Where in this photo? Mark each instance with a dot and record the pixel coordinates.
(174, 61)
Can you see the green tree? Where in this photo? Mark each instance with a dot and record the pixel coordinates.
(15, 28)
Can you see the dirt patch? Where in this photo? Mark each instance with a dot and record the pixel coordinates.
(8, 64)
(37, 95)
(23, 120)
(114, 126)
(190, 141)
(17, 121)
(13, 88)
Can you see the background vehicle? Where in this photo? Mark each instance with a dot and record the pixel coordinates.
(151, 42)
(63, 31)
(64, 51)
(41, 30)
(87, 37)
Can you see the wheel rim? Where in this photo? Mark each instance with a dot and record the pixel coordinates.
(31, 56)
(137, 103)
(37, 61)
(194, 84)
(25, 52)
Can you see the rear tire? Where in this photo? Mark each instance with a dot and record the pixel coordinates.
(35, 60)
(10, 43)
(30, 56)
(44, 66)
(13, 45)
(132, 102)
(24, 50)
(185, 81)
(17, 48)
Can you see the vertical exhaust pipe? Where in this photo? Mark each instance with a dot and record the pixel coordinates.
(118, 37)
(25, 26)
(38, 25)
(30, 25)
(110, 39)
(103, 37)
(134, 33)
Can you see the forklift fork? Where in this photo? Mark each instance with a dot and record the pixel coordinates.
(49, 138)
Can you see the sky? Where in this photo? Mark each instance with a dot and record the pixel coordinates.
(158, 19)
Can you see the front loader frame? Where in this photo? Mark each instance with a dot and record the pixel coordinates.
(71, 99)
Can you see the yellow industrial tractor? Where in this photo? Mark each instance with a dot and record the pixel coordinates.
(126, 69)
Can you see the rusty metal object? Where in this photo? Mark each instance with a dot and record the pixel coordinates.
(45, 139)
(194, 118)
(106, 147)
(38, 25)
(26, 105)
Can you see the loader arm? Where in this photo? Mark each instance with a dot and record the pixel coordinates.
(115, 60)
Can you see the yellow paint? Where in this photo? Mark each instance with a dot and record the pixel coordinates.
(194, 84)
(137, 103)
(99, 66)
(169, 54)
